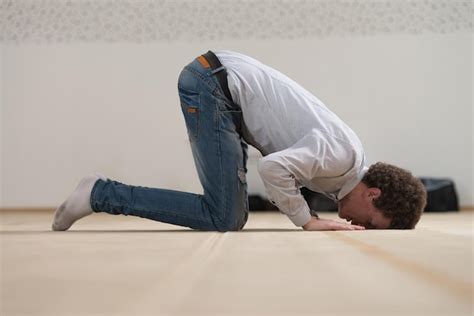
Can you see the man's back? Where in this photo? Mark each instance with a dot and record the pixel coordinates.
(277, 111)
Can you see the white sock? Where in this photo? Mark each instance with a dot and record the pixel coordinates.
(77, 205)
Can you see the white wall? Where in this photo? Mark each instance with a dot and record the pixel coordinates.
(70, 108)
(1, 126)
(471, 193)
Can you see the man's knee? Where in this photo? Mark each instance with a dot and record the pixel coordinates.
(231, 225)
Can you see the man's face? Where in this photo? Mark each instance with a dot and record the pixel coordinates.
(357, 207)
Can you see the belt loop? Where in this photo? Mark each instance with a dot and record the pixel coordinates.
(217, 70)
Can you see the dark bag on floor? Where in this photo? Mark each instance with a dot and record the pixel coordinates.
(442, 195)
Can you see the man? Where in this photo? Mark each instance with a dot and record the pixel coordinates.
(230, 100)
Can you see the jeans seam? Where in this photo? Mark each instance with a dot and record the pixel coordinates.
(219, 153)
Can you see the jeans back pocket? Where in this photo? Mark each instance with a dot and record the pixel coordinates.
(190, 105)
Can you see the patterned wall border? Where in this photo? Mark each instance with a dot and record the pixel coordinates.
(196, 20)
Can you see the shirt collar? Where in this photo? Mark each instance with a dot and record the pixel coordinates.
(351, 183)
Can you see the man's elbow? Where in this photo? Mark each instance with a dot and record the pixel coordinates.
(264, 167)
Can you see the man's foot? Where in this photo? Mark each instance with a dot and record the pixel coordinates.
(77, 204)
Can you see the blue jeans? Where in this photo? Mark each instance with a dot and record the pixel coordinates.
(214, 126)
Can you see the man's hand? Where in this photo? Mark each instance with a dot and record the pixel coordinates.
(327, 224)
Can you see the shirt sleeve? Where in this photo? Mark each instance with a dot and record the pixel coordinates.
(311, 157)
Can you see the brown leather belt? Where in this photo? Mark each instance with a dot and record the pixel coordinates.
(210, 60)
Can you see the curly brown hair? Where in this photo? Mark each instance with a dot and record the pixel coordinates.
(403, 197)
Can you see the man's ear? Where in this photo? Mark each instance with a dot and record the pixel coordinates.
(374, 193)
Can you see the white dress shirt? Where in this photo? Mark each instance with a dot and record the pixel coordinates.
(302, 142)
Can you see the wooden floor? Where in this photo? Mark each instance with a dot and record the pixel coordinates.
(118, 265)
